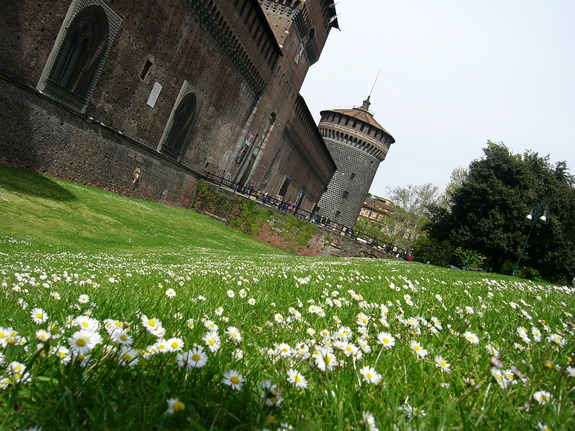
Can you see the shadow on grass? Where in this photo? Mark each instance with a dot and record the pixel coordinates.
(32, 183)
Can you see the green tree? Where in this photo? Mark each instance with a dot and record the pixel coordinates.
(487, 212)
(412, 205)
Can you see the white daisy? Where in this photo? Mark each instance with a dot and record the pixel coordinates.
(271, 394)
(83, 299)
(234, 334)
(129, 356)
(295, 378)
(38, 316)
(471, 337)
(43, 335)
(542, 397)
(195, 358)
(83, 341)
(442, 364)
(234, 379)
(87, 323)
(386, 340)
(175, 406)
(153, 326)
(418, 349)
(212, 340)
(370, 375)
(122, 336)
(175, 344)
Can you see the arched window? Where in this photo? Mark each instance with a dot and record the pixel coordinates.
(180, 126)
(78, 56)
(81, 52)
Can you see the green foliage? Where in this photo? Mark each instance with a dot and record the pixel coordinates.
(428, 249)
(404, 226)
(529, 273)
(487, 212)
(295, 232)
(248, 217)
(209, 200)
(371, 229)
(468, 258)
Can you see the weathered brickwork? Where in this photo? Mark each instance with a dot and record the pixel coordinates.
(357, 144)
(275, 155)
(84, 151)
(169, 89)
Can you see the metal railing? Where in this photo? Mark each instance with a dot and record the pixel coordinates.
(280, 205)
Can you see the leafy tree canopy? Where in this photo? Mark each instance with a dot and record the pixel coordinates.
(412, 204)
(485, 211)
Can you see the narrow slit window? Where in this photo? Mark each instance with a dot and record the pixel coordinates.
(145, 69)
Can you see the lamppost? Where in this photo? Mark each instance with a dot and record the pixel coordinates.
(533, 218)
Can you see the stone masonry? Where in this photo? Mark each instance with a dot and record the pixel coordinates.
(145, 98)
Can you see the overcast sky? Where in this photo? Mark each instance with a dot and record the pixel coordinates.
(454, 74)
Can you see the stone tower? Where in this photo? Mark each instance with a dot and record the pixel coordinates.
(357, 144)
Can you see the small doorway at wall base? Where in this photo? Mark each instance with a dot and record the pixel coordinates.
(247, 172)
(284, 187)
(299, 199)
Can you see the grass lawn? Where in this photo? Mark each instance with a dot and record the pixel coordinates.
(123, 314)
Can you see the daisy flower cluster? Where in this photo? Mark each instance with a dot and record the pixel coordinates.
(278, 342)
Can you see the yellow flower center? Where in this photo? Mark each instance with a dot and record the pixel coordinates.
(127, 357)
(175, 345)
(297, 379)
(235, 380)
(151, 322)
(123, 337)
(85, 324)
(416, 347)
(178, 406)
(196, 357)
(80, 342)
(39, 315)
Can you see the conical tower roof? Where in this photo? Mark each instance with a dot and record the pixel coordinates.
(362, 113)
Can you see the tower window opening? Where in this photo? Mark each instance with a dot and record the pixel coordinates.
(145, 69)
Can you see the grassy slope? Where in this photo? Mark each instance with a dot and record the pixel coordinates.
(54, 215)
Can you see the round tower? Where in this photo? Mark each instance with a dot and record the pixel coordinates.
(358, 144)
